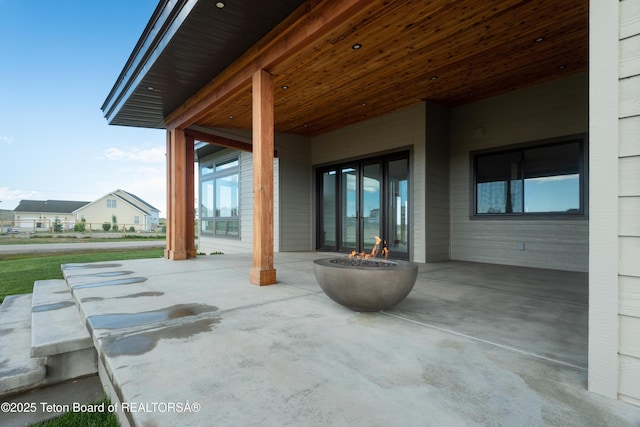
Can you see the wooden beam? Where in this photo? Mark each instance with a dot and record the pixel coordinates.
(309, 22)
(263, 272)
(222, 141)
(180, 197)
(219, 140)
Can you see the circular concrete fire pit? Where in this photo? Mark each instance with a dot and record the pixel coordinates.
(370, 285)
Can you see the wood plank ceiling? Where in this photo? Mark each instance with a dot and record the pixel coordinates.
(448, 51)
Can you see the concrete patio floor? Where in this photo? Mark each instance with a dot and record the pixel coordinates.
(473, 344)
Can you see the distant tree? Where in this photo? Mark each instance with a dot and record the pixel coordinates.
(80, 226)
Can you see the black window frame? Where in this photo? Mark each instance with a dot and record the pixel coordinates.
(581, 213)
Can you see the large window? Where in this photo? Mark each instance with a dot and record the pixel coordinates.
(531, 179)
(219, 198)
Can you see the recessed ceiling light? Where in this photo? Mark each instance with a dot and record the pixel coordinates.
(433, 78)
(539, 39)
(284, 87)
(230, 117)
(561, 67)
(362, 104)
(150, 87)
(220, 5)
(356, 46)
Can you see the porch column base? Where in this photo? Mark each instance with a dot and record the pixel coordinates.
(262, 277)
(177, 255)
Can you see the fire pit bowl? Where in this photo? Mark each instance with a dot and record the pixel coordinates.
(370, 285)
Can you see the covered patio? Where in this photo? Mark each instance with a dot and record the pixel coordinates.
(287, 91)
(473, 344)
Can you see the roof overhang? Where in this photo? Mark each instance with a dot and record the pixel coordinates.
(185, 43)
(340, 62)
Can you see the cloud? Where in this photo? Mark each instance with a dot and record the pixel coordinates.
(146, 155)
(543, 179)
(6, 139)
(10, 196)
(147, 182)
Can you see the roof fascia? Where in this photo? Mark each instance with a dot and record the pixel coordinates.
(138, 200)
(163, 25)
(119, 195)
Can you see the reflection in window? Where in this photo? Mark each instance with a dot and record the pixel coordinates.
(544, 179)
(499, 183)
(227, 196)
(219, 199)
(328, 226)
(206, 169)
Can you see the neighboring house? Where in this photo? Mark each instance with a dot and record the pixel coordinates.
(37, 215)
(127, 209)
(121, 208)
(497, 132)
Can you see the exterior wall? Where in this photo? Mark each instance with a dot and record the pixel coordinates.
(437, 224)
(30, 220)
(97, 213)
(294, 204)
(208, 243)
(545, 111)
(629, 201)
(149, 220)
(393, 132)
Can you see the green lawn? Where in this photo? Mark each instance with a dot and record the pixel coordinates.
(38, 239)
(18, 272)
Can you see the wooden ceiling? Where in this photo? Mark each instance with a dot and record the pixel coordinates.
(449, 51)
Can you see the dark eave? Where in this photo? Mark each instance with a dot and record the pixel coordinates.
(185, 43)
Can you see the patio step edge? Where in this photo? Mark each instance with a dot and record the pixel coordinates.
(57, 326)
(18, 371)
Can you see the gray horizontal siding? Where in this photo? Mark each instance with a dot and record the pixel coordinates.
(545, 111)
(629, 203)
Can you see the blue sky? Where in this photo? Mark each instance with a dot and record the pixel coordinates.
(58, 62)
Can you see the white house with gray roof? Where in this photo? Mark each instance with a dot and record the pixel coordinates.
(127, 209)
(40, 214)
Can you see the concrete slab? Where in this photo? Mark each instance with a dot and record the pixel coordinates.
(310, 362)
(545, 327)
(18, 371)
(196, 333)
(56, 324)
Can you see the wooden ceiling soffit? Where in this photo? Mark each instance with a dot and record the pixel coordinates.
(221, 141)
(310, 21)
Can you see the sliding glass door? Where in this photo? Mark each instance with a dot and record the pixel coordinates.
(360, 200)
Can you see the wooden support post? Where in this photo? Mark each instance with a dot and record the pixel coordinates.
(263, 272)
(180, 209)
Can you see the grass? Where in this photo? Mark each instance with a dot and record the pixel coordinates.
(48, 238)
(17, 274)
(19, 271)
(84, 419)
